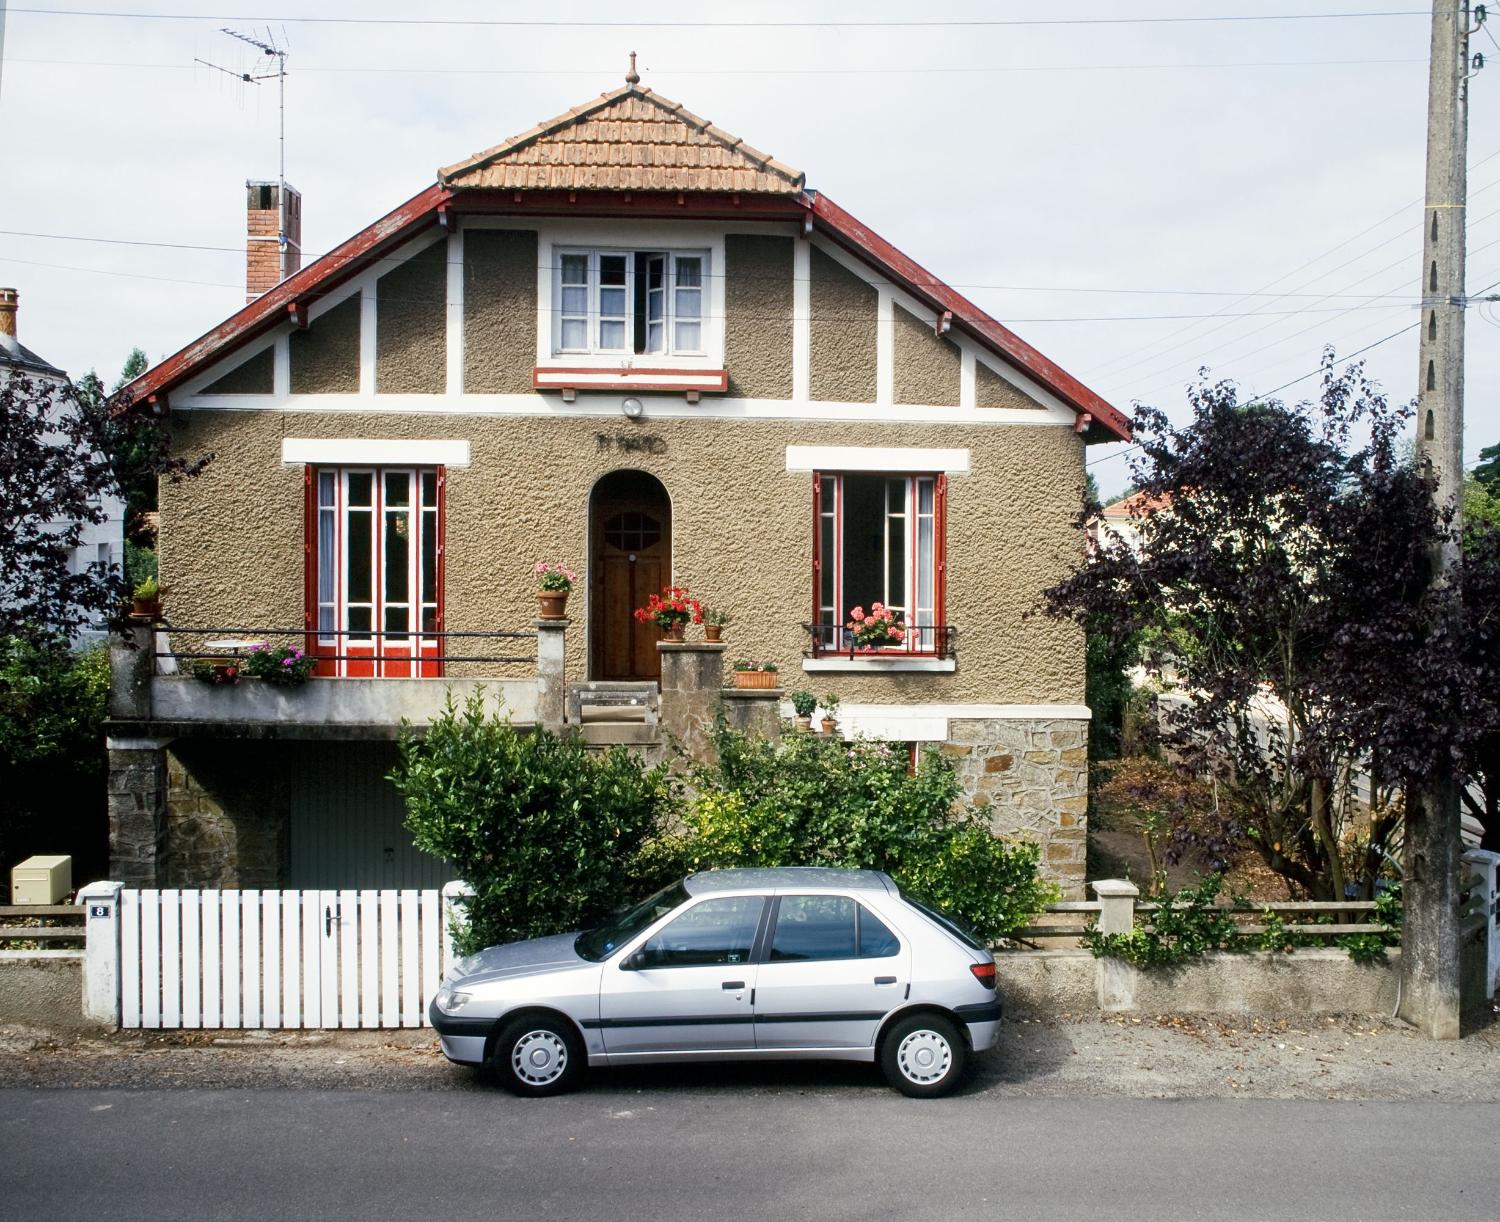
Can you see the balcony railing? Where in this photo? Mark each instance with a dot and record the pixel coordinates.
(927, 641)
(374, 647)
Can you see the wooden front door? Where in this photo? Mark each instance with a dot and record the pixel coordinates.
(631, 546)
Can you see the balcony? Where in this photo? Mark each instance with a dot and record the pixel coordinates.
(365, 686)
(931, 648)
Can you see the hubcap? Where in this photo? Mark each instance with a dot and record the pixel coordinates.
(539, 1057)
(924, 1057)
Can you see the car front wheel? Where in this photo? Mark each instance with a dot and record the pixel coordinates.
(538, 1055)
(923, 1056)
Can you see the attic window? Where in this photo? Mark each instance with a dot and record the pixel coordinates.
(629, 302)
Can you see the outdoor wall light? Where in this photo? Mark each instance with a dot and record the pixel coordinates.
(633, 408)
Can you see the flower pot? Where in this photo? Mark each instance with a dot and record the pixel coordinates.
(148, 609)
(830, 727)
(802, 723)
(712, 632)
(755, 678)
(673, 632)
(552, 604)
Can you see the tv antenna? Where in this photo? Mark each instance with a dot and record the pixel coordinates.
(272, 50)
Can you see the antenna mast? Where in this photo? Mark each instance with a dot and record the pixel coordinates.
(272, 49)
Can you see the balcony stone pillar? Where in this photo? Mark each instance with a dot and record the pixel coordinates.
(692, 674)
(551, 667)
(131, 665)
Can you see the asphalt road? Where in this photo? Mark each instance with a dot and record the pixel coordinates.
(631, 1148)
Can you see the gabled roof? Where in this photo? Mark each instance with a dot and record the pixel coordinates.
(17, 355)
(548, 171)
(629, 140)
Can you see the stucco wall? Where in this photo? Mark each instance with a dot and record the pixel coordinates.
(758, 316)
(325, 357)
(410, 330)
(251, 377)
(499, 310)
(844, 316)
(991, 390)
(42, 989)
(927, 364)
(231, 540)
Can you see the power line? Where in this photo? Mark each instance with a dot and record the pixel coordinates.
(767, 24)
(901, 70)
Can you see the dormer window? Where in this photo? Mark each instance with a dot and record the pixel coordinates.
(640, 302)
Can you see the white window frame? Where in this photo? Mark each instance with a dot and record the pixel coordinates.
(671, 293)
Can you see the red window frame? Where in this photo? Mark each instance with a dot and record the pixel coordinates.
(939, 555)
(374, 660)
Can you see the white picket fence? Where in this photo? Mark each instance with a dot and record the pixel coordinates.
(259, 959)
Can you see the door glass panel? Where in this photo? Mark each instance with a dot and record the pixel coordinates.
(397, 555)
(876, 941)
(895, 544)
(361, 487)
(429, 557)
(398, 488)
(717, 931)
(397, 623)
(359, 556)
(613, 280)
(814, 927)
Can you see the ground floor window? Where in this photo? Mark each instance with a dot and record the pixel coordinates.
(375, 570)
(879, 539)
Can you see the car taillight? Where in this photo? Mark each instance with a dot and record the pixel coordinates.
(984, 973)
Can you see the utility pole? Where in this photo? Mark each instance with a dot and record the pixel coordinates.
(1430, 933)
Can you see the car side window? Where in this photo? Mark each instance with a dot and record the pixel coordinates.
(876, 941)
(717, 931)
(812, 927)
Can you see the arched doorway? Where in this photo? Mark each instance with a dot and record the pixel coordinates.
(630, 550)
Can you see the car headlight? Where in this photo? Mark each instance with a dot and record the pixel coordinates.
(451, 1001)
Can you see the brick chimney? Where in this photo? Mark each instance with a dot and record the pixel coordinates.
(8, 303)
(267, 261)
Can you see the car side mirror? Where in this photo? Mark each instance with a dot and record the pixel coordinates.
(633, 962)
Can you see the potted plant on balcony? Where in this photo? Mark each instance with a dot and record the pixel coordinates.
(714, 623)
(876, 629)
(285, 666)
(145, 601)
(830, 714)
(554, 583)
(751, 673)
(670, 611)
(803, 704)
(216, 672)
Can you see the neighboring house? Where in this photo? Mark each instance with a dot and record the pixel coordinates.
(627, 341)
(101, 542)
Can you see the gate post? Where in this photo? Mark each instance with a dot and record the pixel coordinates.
(1114, 979)
(101, 955)
(455, 917)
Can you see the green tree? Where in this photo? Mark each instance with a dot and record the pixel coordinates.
(1488, 470)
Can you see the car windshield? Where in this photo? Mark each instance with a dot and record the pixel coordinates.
(603, 940)
(960, 931)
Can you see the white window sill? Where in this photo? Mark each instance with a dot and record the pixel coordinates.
(934, 666)
(671, 378)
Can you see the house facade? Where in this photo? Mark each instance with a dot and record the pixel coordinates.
(627, 342)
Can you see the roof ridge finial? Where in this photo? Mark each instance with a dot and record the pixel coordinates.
(632, 78)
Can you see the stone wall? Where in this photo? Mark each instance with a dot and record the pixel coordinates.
(1033, 776)
(227, 811)
(137, 824)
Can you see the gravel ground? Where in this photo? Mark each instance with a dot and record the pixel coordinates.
(1186, 1057)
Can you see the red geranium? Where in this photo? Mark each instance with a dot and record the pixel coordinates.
(674, 605)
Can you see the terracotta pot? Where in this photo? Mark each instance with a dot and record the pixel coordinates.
(145, 608)
(755, 678)
(830, 726)
(552, 604)
(675, 632)
(712, 632)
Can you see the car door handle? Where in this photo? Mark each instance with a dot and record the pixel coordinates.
(732, 985)
(885, 980)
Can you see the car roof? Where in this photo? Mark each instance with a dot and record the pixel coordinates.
(788, 876)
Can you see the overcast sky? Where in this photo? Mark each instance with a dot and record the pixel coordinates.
(1130, 196)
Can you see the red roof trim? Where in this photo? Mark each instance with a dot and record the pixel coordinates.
(852, 234)
(313, 281)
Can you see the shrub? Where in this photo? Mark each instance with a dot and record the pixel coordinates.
(815, 801)
(1187, 925)
(284, 665)
(549, 836)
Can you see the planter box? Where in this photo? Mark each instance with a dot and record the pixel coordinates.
(755, 678)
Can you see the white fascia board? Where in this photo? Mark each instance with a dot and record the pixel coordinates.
(876, 458)
(373, 452)
(937, 666)
(976, 712)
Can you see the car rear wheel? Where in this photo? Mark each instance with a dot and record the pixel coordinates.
(923, 1056)
(538, 1055)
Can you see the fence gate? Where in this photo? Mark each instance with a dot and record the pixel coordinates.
(280, 958)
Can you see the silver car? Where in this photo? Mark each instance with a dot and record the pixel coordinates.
(801, 963)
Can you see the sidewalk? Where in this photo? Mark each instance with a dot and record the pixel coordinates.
(1198, 1057)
